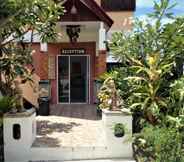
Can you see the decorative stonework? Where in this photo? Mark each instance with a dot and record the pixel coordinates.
(73, 32)
(96, 142)
(51, 67)
(109, 96)
(122, 145)
(20, 114)
(22, 126)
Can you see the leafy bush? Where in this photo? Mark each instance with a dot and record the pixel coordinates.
(159, 144)
(177, 97)
(118, 76)
(151, 64)
(6, 104)
(152, 54)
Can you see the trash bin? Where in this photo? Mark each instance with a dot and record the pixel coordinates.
(97, 86)
(43, 106)
(44, 98)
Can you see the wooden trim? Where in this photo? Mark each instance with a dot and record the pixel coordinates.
(99, 12)
(118, 5)
(91, 12)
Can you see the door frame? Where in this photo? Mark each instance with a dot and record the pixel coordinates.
(88, 75)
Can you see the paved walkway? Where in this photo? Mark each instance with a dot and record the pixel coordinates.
(71, 126)
(59, 131)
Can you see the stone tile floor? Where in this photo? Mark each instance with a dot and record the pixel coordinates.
(81, 111)
(60, 131)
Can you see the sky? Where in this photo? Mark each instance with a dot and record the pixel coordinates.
(146, 6)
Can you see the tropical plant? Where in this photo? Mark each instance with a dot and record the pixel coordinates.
(159, 144)
(111, 74)
(18, 18)
(118, 75)
(177, 97)
(153, 56)
(6, 103)
(152, 61)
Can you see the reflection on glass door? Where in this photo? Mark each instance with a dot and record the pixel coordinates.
(73, 79)
(63, 79)
(78, 79)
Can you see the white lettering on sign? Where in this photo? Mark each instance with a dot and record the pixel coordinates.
(72, 51)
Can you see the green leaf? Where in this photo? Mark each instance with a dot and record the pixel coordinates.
(135, 105)
(156, 6)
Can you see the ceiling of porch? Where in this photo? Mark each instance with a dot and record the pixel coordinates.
(85, 10)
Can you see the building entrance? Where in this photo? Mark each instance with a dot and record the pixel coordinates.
(73, 79)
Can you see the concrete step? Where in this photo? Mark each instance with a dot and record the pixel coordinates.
(78, 153)
(103, 160)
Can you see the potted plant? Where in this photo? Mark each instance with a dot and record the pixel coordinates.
(109, 96)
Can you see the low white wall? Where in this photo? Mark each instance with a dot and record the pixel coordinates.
(117, 146)
(17, 150)
(22, 150)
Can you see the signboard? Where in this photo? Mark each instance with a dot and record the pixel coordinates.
(73, 51)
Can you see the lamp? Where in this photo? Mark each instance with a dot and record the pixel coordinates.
(43, 47)
(73, 10)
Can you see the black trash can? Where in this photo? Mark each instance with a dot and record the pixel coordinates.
(43, 106)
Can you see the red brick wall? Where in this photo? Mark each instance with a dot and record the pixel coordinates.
(40, 62)
(100, 63)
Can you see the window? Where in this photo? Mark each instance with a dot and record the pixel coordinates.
(118, 5)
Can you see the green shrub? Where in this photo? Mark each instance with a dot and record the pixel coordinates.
(6, 103)
(153, 87)
(159, 144)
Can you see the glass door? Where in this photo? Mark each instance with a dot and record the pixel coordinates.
(63, 79)
(78, 79)
(73, 79)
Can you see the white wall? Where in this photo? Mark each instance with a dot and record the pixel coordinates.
(122, 146)
(17, 150)
(22, 150)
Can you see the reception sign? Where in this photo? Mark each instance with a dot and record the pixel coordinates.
(73, 51)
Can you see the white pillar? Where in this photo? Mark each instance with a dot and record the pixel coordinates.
(18, 150)
(118, 147)
(102, 37)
